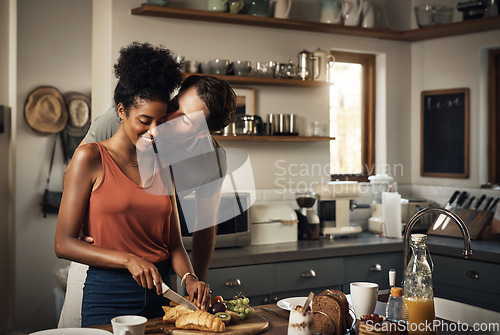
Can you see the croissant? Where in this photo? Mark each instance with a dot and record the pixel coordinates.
(173, 313)
(201, 320)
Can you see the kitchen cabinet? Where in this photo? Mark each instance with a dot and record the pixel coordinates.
(301, 277)
(468, 281)
(268, 283)
(255, 281)
(443, 30)
(372, 268)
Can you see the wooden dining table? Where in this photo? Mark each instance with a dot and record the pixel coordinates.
(277, 321)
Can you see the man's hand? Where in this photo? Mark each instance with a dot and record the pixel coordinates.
(84, 237)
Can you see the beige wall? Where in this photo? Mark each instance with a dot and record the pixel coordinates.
(53, 48)
(454, 62)
(5, 244)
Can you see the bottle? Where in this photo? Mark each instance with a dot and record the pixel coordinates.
(396, 308)
(418, 292)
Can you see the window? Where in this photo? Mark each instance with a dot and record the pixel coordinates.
(352, 116)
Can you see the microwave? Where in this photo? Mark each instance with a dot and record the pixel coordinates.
(234, 232)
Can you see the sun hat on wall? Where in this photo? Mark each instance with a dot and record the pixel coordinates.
(45, 110)
(79, 119)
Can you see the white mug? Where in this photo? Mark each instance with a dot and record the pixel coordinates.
(364, 298)
(129, 325)
(331, 11)
(281, 8)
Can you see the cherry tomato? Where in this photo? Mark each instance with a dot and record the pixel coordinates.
(217, 299)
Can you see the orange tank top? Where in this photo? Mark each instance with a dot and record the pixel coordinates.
(123, 216)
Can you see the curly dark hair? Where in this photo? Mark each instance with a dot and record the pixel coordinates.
(219, 97)
(145, 72)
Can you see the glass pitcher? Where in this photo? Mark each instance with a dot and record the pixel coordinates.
(418, 291)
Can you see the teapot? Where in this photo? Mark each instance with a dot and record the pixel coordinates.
(331, 11)
(281, 8)
(352, 12)
(323, 63)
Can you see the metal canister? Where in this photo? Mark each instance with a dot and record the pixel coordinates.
(284, 124)
(305, 65)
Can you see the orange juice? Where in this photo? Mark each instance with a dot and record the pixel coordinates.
(420, 315)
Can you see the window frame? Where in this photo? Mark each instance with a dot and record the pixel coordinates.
(493, 117)
(367, 62)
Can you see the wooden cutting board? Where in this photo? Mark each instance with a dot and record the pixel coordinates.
(254, 325)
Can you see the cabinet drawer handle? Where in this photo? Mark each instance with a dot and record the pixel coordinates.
(473, 275)
(308, 274)
(375, 268)
(233, 282)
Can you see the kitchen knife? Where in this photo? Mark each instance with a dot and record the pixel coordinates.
(448, 206)
(469, 202)
(476, 210)
(172, 295)
(488, 203)
(493, 205)
(457, 206)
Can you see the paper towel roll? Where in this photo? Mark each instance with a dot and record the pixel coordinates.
(391, 212)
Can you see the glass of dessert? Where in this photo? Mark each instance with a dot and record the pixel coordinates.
(300, 321)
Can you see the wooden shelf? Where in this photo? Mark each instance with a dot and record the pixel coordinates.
(251, 138)
(444, 30)
(452, 29)
(267, 81)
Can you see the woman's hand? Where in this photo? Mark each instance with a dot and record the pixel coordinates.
(199, 290)
(145, 273)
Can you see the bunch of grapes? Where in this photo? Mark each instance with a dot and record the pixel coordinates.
(241, 305)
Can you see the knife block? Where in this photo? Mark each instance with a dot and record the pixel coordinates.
(476, 226)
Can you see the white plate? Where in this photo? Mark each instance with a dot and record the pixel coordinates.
(72, 331)
(288, 303)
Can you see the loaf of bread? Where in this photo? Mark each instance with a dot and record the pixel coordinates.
(331, 313)
(201, 320)
(173, 313)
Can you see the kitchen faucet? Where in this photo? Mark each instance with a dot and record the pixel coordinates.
(454, 217)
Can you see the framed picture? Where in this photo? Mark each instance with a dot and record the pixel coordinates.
(245, 101)
(445, 133)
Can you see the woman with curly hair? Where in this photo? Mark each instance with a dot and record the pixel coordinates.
(137, 239)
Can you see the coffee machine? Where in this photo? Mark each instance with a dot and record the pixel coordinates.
(335, 205)
(309, 223)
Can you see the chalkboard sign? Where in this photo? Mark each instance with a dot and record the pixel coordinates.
(445, 133)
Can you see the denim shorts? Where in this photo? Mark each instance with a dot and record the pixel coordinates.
(112, 292)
